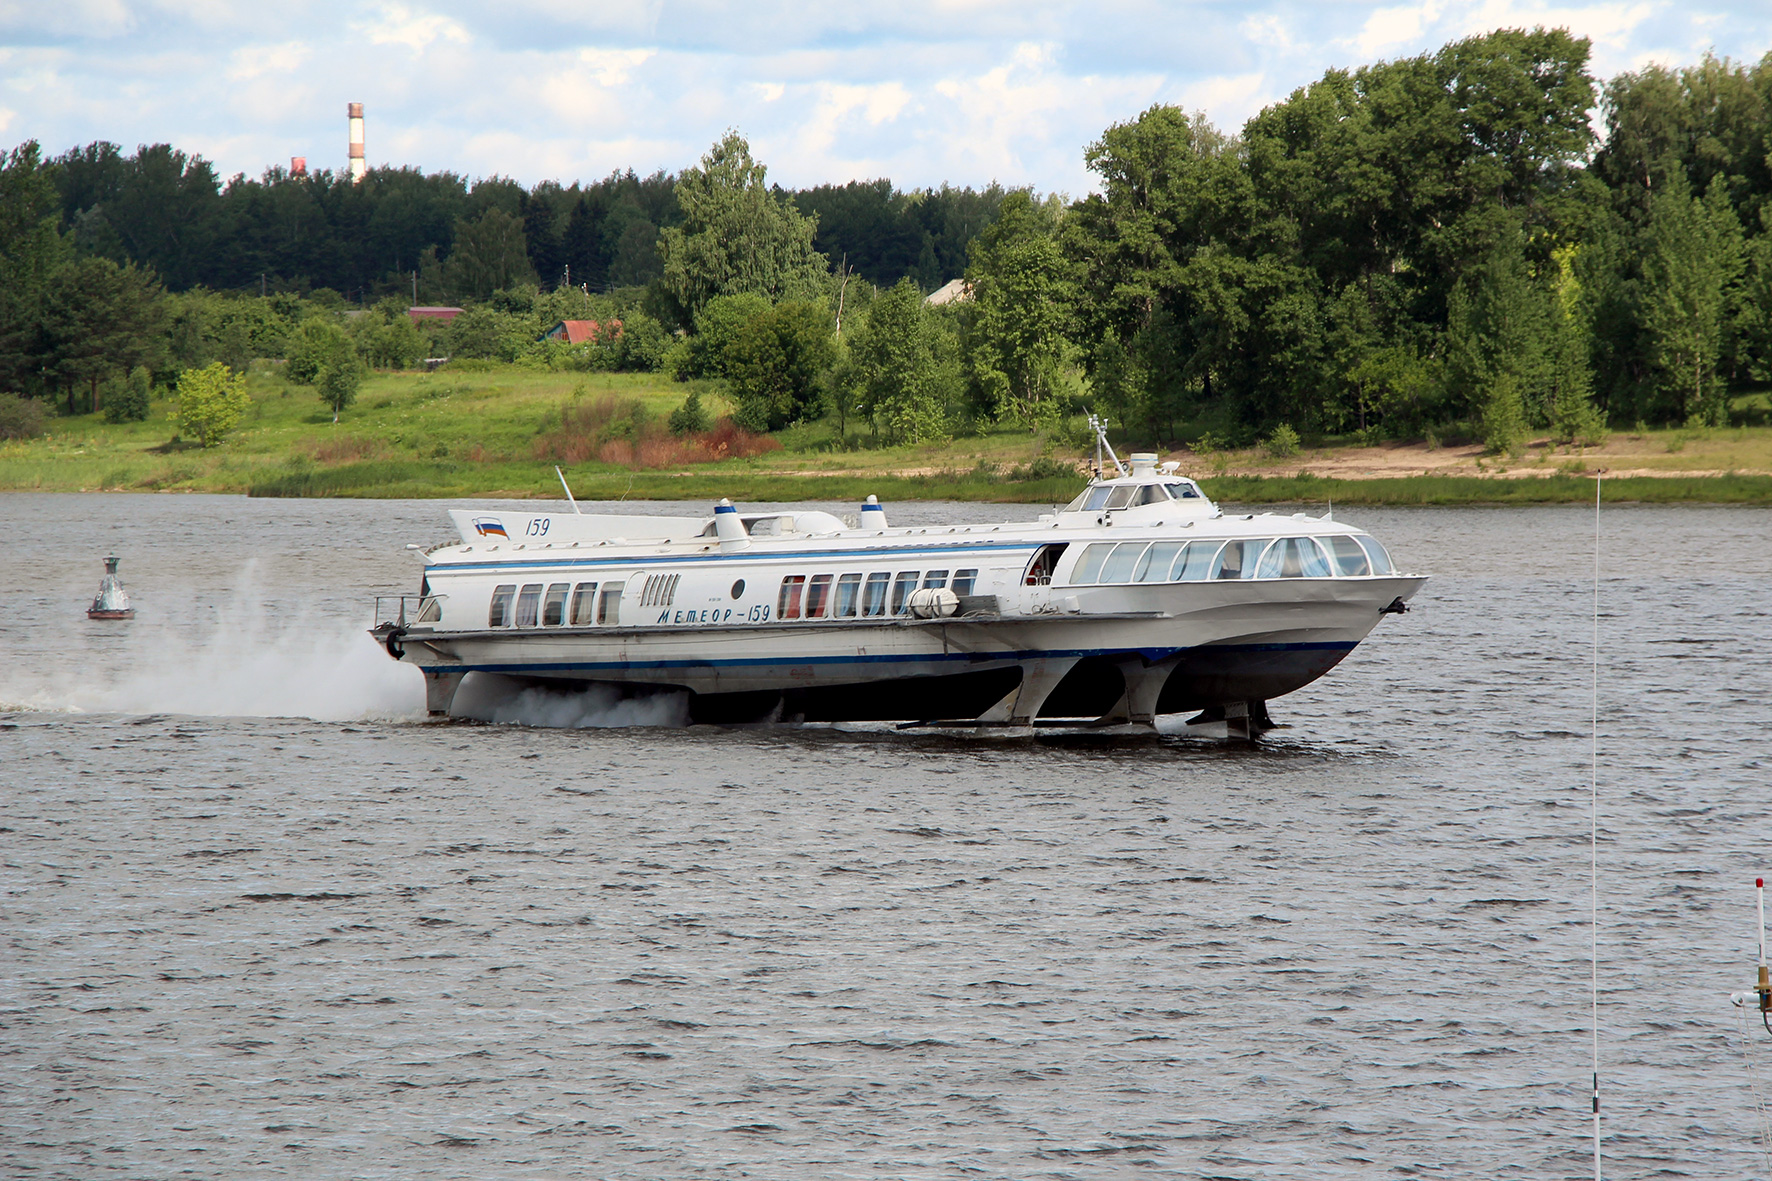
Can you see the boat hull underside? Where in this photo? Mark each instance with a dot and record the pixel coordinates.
(1092, 688)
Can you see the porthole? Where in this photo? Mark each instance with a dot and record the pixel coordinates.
(738, 589)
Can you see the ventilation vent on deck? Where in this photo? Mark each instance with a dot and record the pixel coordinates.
(661, 589)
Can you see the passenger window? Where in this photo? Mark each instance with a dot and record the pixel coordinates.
(1350, 559)
(609, 603)
(818, 596)
(1118, 567)
(902, 586)
(1237, 559)
(1089, 565)
(964, 581)
(553, 608)
(1122, 496)
(584, 604)
(873, 595)
(528, 605)
(500, 615)
(1313, 560)
(1154, 566)
(787, 603)
(1194, 564)
(1381, 561)
(935, 580)
(1281, 560)
(1097, 498)
(848, 588)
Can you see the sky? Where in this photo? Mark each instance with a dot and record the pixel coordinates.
(921, 91)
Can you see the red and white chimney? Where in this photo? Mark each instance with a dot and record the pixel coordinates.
(358, 167)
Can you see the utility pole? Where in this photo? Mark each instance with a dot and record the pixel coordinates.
(842, 270)
(261, 284)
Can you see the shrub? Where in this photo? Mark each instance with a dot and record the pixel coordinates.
(211, 403)
(127, 400)
(317, 344)
(1044, 468)
(1504, 419)
(20, 418)
(1283, 442)
(691, 418)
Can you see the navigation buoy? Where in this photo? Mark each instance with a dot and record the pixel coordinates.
(113, 600)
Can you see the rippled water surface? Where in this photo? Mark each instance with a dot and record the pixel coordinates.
(260, 920)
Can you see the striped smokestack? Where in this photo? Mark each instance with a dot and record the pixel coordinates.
(358, 167)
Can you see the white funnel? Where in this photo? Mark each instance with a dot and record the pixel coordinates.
(729, 529)
(873, 517)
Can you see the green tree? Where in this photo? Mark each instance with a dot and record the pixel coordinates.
(317, 345)
(1573, 416)
(211, 403)
(98, 318)
(717, 326)
(776, 364)
(339, 381)
(1021, 309)
(387, 338)
(128, 400)
(30, 250)
(1693, 259)
(1499, 326)
(490, 254)
(691, 418)
(894, 367)
(738, 236)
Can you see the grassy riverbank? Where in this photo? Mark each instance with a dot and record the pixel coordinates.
(499, 432)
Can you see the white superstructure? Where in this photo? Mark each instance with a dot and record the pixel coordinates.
(1139, 598)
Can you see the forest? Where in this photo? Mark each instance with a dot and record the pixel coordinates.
(1484, 241)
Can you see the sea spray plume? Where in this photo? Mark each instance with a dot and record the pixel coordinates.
(488, 697)
(241, 654)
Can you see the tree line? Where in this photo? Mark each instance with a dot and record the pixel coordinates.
(1435, 244)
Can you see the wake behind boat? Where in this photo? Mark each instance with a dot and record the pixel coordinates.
(1139, 598)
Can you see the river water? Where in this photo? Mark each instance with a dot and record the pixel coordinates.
(261, 919)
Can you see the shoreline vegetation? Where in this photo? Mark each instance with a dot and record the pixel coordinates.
(1421, 281)
(498, 433)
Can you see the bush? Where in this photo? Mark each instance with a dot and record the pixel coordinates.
(314, 346)
(1283, 442)
(691, 418)
(1044, 468)
(1504, 419)
(20, 418)
(211, 403)
(127, 400)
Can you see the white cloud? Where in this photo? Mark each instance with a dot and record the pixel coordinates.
(255, 61)
(611, 67)
(400, 25)
(7, 115)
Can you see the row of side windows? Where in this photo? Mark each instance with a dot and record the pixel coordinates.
(555, 605)
(850, 596)
(1346, 556)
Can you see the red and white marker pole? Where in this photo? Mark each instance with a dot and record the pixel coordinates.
(1765, 985)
